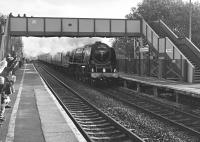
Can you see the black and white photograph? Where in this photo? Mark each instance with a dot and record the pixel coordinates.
(100, 71)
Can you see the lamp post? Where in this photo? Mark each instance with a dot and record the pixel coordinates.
(190, 21)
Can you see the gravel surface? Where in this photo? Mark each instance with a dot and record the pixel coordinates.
(142, 124)
(152, 130)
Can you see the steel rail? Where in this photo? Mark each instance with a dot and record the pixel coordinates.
(132, 136)
(158, 110)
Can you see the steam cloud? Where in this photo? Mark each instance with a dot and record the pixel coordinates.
(34, 46)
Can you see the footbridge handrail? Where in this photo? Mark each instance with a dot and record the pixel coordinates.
(145, 32)
(168, 29)
(150, 34)
(192, 46)
(180, 52)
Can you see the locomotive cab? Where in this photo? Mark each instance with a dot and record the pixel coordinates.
(103, 62)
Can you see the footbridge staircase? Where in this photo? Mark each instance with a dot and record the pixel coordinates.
(182, 54)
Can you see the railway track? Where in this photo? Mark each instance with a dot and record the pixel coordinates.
(183, 120)
(93, 123)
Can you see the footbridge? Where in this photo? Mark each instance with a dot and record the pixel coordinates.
(182, 55)
(73, 27)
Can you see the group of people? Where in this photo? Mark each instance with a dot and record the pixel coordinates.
(8, 67)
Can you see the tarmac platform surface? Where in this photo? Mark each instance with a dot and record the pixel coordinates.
(36, 116)
(191, 89)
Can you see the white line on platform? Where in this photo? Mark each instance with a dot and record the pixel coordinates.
(74, 129)
(11, 128)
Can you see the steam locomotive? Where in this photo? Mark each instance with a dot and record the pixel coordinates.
(92, 62)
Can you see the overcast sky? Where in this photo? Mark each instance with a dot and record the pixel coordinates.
(69, 8)
(64, 8)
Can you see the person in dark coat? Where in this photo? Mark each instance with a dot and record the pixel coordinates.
(10, 75)
(7, 78)
(12, 63)
(4, 99)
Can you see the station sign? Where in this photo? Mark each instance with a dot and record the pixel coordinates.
(144, 49)
(169, 50)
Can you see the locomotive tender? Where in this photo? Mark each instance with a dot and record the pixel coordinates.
(91, 62)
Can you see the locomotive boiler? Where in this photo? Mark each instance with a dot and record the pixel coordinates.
(94, 62)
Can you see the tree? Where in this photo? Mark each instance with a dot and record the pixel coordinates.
(2, 22)
(124, 46)
(2, 19)
(175, 13)
(17, 45)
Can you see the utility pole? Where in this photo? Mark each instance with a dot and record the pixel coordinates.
(190, 21)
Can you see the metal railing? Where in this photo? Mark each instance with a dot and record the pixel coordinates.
(169, 47)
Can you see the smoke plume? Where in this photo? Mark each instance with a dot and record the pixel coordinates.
(34, 46)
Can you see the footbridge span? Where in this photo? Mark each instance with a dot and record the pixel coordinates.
(73, 27)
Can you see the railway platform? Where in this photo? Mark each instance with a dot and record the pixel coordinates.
(178, 88)
(36, 116)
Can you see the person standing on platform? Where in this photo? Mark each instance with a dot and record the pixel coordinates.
(13, 67)
(3, 65)
(15, 64)
(10, 77)
(12, 63)
(7, 67)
